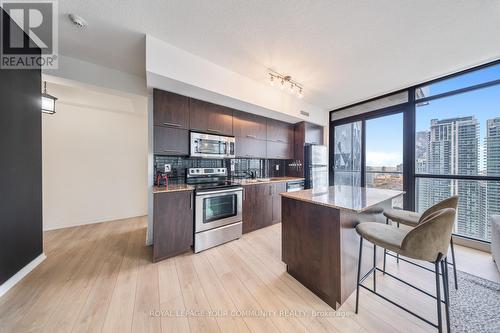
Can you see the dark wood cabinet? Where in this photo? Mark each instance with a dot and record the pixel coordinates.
(172, 224)
(250, 148)
(276, 201)
(248, 208)
(279, 150)
(279, 131)
(170, 109)
(247, 125)
(211, 118)
(171, 141)
(262, 205)
(304, 133)
(313, 134)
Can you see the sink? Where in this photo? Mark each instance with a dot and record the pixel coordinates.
(257, 180)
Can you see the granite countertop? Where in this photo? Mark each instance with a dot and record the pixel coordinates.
(245, 182)
(173, 188)
(351, 198)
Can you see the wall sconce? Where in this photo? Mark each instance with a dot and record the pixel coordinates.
(48, 101)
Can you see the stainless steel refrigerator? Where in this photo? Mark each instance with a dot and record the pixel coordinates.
(316, 167)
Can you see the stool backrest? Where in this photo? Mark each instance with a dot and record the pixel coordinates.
(451, 202)
(431, 237)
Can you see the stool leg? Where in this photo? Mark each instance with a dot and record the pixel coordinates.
(385, 251)
(359, 272)
(374, 267)
(438, 297)
(454, 263)
(446, 289)
(397, 258)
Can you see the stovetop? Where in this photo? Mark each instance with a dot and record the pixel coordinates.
(215, 186)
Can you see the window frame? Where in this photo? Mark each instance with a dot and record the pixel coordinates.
(409, 132)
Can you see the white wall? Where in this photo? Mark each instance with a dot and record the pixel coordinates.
(94, 157)
(173, 69)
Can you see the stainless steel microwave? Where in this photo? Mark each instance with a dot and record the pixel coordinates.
(211, 146)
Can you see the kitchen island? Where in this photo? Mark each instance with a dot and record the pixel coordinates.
(319, 241)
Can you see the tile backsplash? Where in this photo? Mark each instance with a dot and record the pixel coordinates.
(241, 168)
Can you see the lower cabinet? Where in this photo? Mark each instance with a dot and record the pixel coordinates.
(261, 205)
(172, 224)
(276, 199)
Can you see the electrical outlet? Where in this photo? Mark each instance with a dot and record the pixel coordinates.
(168, 167)
(277, 167)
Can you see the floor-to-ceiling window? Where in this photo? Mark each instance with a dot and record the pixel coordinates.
(384, 153)
(457, 140)
(440, 139)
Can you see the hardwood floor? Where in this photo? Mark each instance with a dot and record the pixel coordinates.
(100, 278)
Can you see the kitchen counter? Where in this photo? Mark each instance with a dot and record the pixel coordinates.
(355, 199)
(246, 182)
(319, 240)
(173, 188)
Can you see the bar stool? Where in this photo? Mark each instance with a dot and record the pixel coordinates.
(413, 219)
(428, 241)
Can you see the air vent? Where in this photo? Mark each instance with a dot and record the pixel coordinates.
(304, 113)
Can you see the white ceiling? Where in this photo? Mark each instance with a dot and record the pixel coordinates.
(341, 51)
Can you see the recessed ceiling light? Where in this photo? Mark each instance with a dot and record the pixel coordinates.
(78, 21)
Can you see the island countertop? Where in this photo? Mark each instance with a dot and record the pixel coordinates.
(351, 198)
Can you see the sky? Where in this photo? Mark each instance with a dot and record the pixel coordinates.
(384, 136)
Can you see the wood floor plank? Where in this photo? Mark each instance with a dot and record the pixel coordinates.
(217, 296)
(121, 307)
(171, 299)
(100, 277)
(147, 297)
(93, 313)
(194, 297)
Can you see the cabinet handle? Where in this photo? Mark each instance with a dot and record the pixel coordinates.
(213, 130)
(172, 151)
(248, 155)
(251, 136)
(172, 124)
(270, 189)
(191, 201)
(243, 194)
(279, 140)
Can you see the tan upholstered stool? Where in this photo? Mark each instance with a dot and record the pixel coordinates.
(428, 241)
(412, 219)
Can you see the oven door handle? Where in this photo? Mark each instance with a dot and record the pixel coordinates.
(235, 191)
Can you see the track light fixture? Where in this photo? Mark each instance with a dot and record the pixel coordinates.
(285, 80)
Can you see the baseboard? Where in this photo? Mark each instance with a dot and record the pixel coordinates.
(21, 274)
(101, 220)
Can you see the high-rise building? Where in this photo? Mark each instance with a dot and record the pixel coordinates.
(492, 169)
(422, 145)
(454, 150)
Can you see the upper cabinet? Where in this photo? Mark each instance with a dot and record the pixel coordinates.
(247, 125)
(279, 131)
(313, 134)
(210, 118)
(170, 109)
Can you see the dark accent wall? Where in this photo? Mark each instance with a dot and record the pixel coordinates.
(20, 169)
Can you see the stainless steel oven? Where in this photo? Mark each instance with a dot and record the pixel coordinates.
(218, 217)
(211, 146)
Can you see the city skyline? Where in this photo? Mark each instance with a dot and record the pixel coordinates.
(452, 146)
